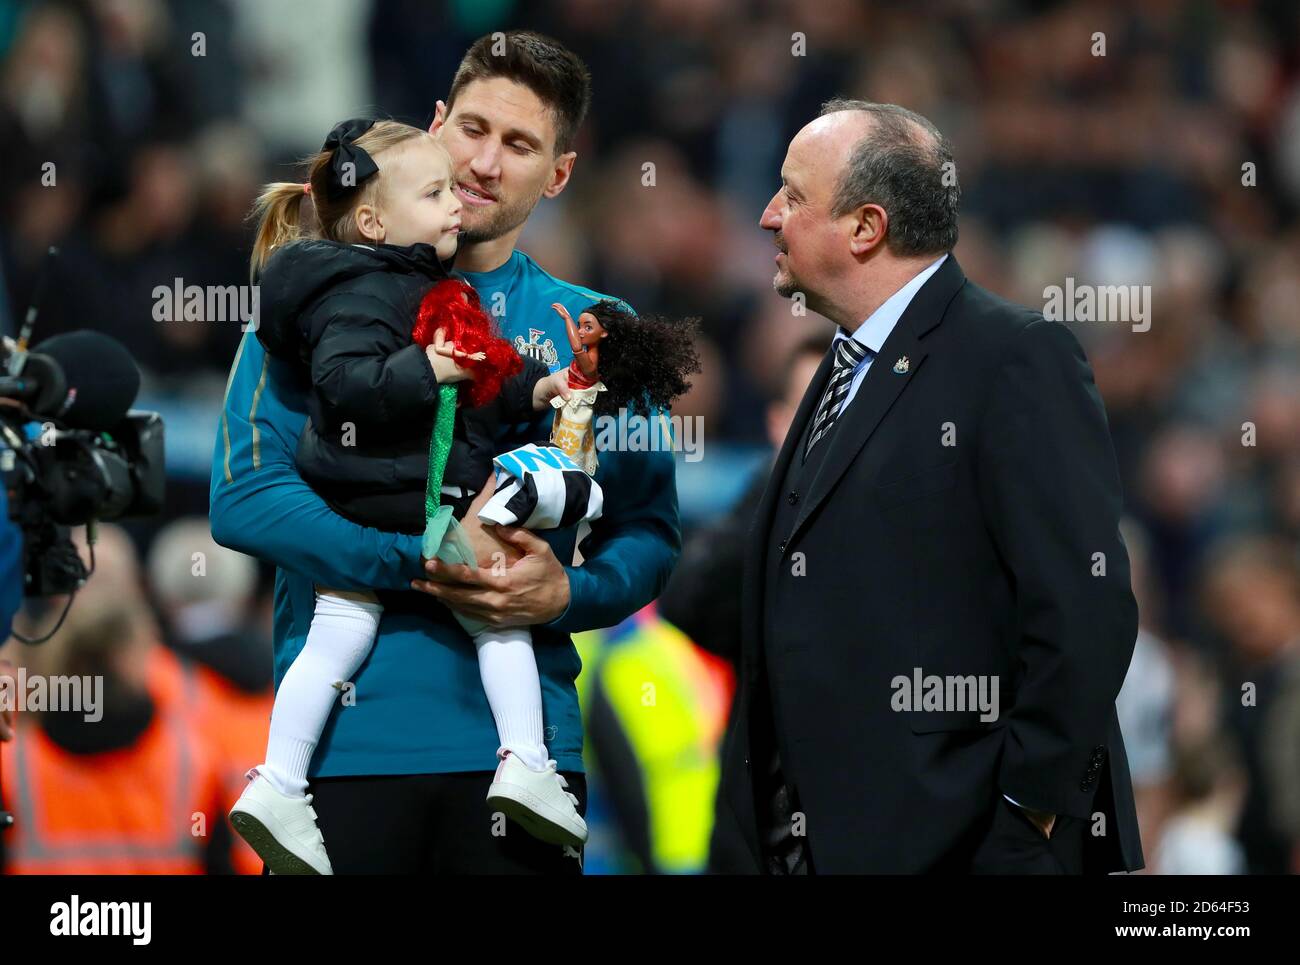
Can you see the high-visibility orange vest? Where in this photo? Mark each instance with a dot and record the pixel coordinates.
(235, 725)
(143, 809)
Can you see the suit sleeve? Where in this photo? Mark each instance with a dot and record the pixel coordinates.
(703, 597)
(368, 373)
(259, 504)
(1050, 489)
(632, 548)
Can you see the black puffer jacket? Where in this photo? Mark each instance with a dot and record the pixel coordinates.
(343, 315)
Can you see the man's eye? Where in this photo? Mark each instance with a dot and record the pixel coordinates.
(472, 131)
(522, 148)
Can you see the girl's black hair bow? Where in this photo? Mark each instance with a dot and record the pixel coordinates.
(350, 165)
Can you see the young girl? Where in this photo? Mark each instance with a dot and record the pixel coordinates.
(341, 299)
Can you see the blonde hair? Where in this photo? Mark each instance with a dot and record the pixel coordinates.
(282, 217)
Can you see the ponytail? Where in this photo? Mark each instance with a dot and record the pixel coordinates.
(282, 216)
(278, 211)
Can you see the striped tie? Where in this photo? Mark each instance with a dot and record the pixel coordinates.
(848, 353)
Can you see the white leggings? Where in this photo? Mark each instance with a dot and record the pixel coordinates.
(343, 629)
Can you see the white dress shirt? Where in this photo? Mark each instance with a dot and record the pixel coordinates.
(873, 332)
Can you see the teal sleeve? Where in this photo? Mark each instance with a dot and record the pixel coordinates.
(633, 547)
(260, 506)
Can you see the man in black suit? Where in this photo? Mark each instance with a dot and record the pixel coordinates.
(937, 611)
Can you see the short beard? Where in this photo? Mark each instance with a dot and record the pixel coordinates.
(787, 288)
(503, 221)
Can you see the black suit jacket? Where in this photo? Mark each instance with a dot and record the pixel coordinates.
(976, 557)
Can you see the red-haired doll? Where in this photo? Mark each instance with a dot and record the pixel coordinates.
(452, 320)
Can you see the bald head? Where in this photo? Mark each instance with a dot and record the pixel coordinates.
(819, 153)
(899, 161)
(831, 137)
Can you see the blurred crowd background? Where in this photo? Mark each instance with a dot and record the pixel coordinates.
(1173, 160)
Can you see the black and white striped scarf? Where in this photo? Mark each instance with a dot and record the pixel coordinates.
(539, 487)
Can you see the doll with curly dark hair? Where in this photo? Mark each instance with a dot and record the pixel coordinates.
(621, 360)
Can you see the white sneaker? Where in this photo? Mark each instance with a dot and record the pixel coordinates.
(538, 801)
(281, 829)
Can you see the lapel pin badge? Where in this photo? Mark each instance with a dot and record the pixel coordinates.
(900, 367)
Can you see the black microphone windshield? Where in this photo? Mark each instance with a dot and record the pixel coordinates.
(102, 379)
(42, 383)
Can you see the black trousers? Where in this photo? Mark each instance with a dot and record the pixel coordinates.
(431, 824)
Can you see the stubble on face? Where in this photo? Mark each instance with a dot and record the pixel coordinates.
(784, 282)
(504, 218)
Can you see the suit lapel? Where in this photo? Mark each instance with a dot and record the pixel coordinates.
(882, 385)
(790, 447)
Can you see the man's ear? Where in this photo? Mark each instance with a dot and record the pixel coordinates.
(560, 174)
(366, 218)
(868, 229)
(439, 117)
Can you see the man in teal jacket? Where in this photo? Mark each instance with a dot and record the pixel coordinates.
(403, 766)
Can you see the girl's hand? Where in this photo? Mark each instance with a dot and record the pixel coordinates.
(446, 370)
(557, 383)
